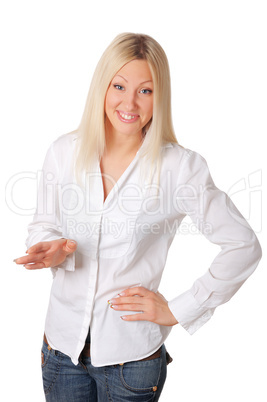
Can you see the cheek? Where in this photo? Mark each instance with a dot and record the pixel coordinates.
(111, 100)
(108, 102)
(150, 109)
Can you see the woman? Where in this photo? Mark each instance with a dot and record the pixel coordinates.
(111, 198)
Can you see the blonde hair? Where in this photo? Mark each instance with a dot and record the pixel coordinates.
(91, 131)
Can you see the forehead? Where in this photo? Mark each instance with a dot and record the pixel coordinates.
(137, 70)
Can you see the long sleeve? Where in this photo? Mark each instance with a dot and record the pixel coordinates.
(46, 224)
(212, 209)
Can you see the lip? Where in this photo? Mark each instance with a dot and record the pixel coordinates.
(134, 119)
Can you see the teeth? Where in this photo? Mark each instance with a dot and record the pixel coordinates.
(127, 116)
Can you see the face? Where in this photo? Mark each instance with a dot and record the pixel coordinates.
(129, 99)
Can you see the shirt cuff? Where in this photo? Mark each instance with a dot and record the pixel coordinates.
(68, 264)
(189, 313)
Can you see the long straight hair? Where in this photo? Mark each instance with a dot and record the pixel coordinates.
(91, 131)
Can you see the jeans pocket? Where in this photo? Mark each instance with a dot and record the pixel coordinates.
(51, 362)
(141, 376)
(45, 353)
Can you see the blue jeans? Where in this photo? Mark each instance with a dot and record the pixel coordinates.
(139, 381)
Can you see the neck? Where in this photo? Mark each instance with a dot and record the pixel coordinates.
(122, 144)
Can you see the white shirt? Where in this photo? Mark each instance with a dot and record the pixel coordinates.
(124, 242)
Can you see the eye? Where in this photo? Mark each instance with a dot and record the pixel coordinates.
(146, 91)
(119, 87)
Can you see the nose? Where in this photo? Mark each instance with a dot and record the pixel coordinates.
(130, 101)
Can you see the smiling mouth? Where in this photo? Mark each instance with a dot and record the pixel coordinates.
(127, 117)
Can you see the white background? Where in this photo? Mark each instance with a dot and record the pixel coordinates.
(217, 55)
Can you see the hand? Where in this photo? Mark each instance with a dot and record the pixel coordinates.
(154, 306)
(47, 254)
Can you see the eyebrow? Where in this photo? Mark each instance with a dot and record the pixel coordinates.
(117, 75)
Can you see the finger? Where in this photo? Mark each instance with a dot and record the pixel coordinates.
(38, 265)
(135, 317)
(70, 246)
(127, 300)
(28, 259)
(18, 260)
(127, 307)
(139, 290)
